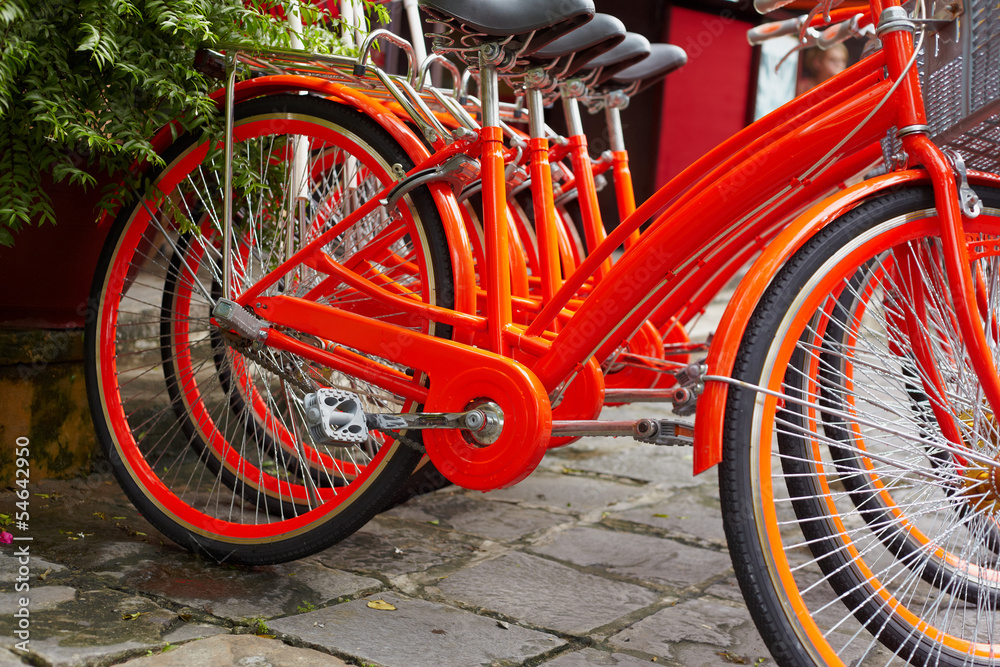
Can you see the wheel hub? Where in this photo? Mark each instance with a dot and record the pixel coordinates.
(982, 489)
(982, 485)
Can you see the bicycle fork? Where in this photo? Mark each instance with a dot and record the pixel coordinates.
(896, 32)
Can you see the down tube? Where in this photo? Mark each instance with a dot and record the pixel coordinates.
(832, 94)
(600, 324)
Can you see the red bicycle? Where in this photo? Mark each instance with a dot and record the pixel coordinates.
(300, 314)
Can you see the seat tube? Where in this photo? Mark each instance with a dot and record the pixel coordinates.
(593, 226)
(498, 306)
(624, 193)
(541, 187)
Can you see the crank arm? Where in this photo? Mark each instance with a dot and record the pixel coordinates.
(473, 420)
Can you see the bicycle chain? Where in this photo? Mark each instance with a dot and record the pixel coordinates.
(403, 440)
(252, 351)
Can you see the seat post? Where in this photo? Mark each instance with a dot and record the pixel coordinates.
(541, 190)
(498, 306)
(613, 103)
(593, 226)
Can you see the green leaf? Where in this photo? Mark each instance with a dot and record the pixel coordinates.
(85, 85)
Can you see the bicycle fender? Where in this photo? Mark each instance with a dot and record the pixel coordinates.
(725, 343)
(459, 245)
(286, 83)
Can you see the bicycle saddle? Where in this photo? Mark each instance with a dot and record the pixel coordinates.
(603, 33)
(547, 19)
(663, 59)
(634, 49)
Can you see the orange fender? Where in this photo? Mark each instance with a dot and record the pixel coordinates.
(459, 245)
(725, 343)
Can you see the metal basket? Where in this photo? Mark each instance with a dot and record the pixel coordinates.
(960, 75)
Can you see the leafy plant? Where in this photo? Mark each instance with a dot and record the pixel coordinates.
(258, 625)
(85, 85)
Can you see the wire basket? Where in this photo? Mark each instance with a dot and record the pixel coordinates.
(960, 75)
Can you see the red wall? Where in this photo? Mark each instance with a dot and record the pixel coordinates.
(46, 276)
(706, 100)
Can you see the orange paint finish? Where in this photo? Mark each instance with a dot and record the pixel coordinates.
(545, 223)
(459, 376)
(722, 354)
(590, 210)
(725, 343)
(497, 270)
(624, 192)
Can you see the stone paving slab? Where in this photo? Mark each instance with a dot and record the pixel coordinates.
(43, 598)
(8, 659)
(545, 593)
(562, 493)
(694, 633)
(237, 592)
(415, 633)
(477, 516)
(638, 557)
(51, 653)
(593, 658)
(240, 651)
(666, 467)
(387, 546)
(683, 514)
(92, 623)
(189, 631)
(8, 567)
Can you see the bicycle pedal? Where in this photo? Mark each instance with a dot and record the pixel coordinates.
(335, 418)
(665, 432)
(231, 315)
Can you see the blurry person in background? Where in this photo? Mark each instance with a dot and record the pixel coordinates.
(819, 65)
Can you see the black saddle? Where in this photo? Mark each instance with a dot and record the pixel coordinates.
(663, 59)
(540, 20)
(634, 49)
(601, 35)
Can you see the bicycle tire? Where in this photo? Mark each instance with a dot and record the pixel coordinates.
(845, 552)
(206, 441)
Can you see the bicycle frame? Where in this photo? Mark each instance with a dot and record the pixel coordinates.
(740, 195)
(676, 242)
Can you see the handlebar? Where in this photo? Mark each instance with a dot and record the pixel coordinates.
(765, 31)
(766, 6)
(839, 32)
(855, 26)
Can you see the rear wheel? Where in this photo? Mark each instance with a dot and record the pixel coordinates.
(860, 534)
(205, 431)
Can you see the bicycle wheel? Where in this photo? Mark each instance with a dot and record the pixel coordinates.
(860, 535)
(205, 433)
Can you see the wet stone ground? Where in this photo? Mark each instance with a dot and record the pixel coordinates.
(611, 553)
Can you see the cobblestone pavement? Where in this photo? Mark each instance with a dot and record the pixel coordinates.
(611, 553)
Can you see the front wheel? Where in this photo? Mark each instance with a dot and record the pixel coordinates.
(860, 534)
(205, 431)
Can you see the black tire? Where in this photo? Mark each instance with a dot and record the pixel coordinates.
(202, 431)
(870, 525)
